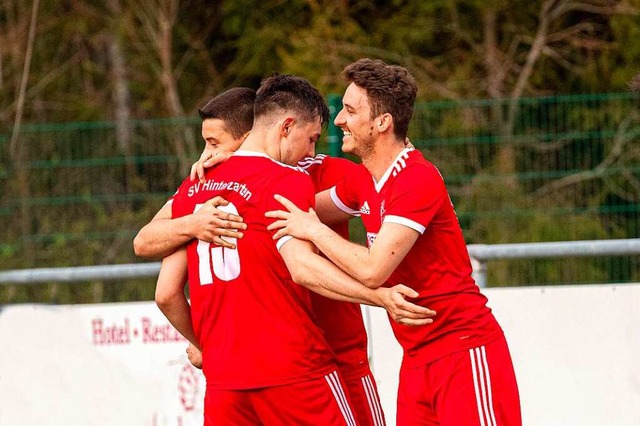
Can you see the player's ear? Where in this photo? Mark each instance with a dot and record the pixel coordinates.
(286, 126)
(384, 122)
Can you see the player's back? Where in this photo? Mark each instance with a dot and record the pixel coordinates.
(254, 323)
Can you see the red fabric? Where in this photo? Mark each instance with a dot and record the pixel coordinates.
(341, 321)
(320, 401)
(412, 193)
(365, 400)
(254, 324)
(476, 386)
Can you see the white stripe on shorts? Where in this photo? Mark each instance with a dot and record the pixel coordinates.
(338, 393)
(373, 400)
(482, 386)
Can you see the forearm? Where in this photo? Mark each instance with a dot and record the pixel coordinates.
(321, 276)
(170, 296)
(161, 237)
(178, 312)
(318, 274)
(336, 290)
(353, 258)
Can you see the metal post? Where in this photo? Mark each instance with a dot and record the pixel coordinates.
(334, 137)
(479, 273)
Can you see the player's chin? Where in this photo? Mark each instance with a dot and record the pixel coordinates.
(348, 146)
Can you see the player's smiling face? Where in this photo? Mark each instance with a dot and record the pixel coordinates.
(356, 122)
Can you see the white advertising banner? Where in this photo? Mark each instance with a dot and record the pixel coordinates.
(109, 364)
(576, 351)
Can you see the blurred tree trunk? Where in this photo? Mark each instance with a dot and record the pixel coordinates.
(510, 60)
(158, 19)
(121, 94)
(18, 152)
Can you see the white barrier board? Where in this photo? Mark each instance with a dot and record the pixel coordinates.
(111, 364)
(576, 351)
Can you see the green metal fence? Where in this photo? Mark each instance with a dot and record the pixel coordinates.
(534, 169)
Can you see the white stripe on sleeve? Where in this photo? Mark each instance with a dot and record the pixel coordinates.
(339, 204)
(404, 221)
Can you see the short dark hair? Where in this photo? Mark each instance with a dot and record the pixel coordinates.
(234, 107)
(390, 89)
(634, 84)
(289, 92)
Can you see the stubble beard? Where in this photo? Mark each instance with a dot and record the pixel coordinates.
(365, 146)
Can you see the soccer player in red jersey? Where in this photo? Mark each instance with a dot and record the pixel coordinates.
(457, 370)
(226, 121)
(264, 358)
(342, 322)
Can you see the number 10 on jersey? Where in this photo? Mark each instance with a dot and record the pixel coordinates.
(215, 260)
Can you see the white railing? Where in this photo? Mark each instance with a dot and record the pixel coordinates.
(480, 254)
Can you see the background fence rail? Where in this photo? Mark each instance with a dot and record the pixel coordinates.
(564, 168)
(480, 254)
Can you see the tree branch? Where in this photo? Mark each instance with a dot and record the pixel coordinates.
(25, 77)
(619, 142)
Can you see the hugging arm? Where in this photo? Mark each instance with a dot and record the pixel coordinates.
(321, 276)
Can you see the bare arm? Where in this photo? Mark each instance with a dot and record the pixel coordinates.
(170, 296)
(163, 235)
(327, 211)
(370, 266)
(321, 276)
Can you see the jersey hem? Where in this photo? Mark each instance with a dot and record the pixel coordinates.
(272, 382)
(352, 372)
(427, 355)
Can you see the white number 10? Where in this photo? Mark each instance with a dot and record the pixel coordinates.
(218, 260)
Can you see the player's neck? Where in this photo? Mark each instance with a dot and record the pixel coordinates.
(257, 141)
(381, 158)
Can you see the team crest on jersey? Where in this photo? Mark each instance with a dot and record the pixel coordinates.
(382, 211)
(365, 208)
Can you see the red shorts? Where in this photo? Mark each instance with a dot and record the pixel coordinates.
(473, 387)
(320, 401)
(365, 400)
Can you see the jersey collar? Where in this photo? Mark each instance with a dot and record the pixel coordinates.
(396, 166)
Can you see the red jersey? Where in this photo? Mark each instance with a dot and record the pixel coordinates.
(254, 324)
(412, 193)
(341, 321)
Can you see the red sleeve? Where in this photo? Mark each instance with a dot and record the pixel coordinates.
(333, 170)
(346, 193)
(416, 197)
(178, 208)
